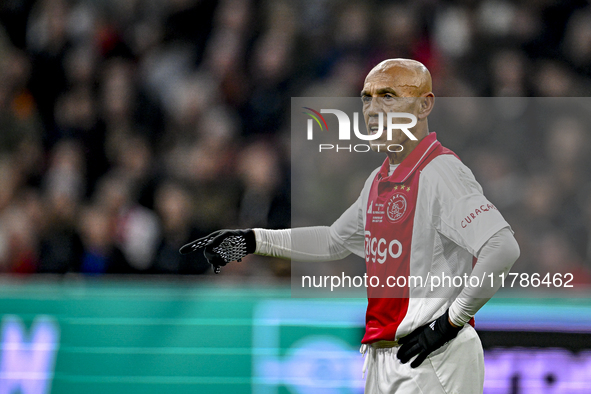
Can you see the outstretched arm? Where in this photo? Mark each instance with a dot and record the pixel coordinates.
(305, 244)
(302, 244)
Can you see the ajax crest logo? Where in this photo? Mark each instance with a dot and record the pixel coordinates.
(396, 207)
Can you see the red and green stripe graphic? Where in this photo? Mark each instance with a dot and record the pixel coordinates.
(316, 115)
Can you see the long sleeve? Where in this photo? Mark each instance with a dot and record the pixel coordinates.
(496, 257)
(319, 243)
(305, 244)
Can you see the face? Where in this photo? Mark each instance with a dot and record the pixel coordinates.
(391, 90)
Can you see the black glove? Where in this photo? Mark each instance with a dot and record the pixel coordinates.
(223, 246)
(426, 339)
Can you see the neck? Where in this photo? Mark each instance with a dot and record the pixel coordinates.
(420, 131)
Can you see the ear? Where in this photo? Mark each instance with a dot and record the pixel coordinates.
(427, 101)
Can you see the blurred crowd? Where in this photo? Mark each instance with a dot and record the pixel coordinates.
(129, 127)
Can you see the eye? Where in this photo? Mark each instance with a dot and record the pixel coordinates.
(388, 96)
(366, 99)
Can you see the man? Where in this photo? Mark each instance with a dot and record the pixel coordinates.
(420, 214)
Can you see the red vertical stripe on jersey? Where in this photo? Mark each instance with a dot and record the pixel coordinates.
(388, 238)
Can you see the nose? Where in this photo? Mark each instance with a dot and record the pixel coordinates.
(374, 108)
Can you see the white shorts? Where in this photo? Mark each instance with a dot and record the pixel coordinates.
(455, 368)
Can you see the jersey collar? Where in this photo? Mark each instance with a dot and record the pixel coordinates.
(427, 145)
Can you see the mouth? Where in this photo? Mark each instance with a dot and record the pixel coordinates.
(373, 129)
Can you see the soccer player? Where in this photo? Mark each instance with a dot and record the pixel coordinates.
(421, 213)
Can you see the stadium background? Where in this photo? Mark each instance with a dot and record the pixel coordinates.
(130, 127)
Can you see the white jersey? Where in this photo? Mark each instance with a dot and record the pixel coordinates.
(428, 219)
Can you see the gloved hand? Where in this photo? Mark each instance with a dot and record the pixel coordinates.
(223, 246)
(426, 339)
